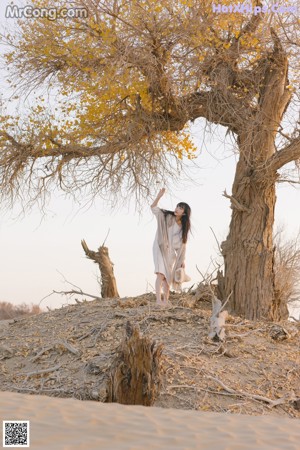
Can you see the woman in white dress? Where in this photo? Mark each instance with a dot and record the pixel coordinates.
(169, 246)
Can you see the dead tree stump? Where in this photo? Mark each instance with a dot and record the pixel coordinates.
(217, 320)
(108, 281)
(135, 375)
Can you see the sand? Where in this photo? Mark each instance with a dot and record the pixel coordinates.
(70, 424)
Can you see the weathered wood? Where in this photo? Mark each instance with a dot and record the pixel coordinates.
(108, 281)
(41, 371)
(249, 252)
(279, 401)
(61, 342)
(135, 375)
(221, 292)
(217, 321)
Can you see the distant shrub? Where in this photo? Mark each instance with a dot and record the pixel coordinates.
(10, 311)
(287, 268)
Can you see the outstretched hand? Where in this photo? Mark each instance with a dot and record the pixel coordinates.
(159, 195)
(161, 192)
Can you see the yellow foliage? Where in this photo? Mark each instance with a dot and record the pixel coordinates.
(179, 143)
(112, 64)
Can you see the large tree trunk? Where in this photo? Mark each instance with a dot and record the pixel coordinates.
(248, 250)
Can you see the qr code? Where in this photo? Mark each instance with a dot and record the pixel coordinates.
(15, 433)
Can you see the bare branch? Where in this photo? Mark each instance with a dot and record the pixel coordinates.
(216, 240)
(282, 157)
(104, 239)
(270, 402)
(77, 292)
(235, 204)
(41, 371)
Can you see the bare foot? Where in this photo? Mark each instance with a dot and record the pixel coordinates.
(167, 304)
(159, 304)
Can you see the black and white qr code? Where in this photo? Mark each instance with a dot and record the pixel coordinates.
(15, 433)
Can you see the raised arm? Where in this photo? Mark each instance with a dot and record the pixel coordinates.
(159, 196)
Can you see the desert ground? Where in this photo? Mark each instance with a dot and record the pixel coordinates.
(68, 352)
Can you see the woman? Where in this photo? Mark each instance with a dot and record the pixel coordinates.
(169, 245)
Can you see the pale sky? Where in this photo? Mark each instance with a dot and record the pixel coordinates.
(36, 253)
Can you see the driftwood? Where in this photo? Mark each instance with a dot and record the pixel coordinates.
(95, 331)
(218, 318)
(135, 374)
(278, 333)
(59, 342)
(279, 401)
(206, 288)
(39, 372)
(108, 281)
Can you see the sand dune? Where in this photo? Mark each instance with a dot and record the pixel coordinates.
(69, 424)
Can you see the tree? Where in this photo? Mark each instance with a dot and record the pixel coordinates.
(134, 76)
(108, 281)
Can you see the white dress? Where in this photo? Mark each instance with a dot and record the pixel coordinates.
(175, 239)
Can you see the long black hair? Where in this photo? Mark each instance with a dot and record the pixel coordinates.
(185, 219)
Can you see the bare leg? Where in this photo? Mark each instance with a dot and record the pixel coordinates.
(166, 290)
(158, 284)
